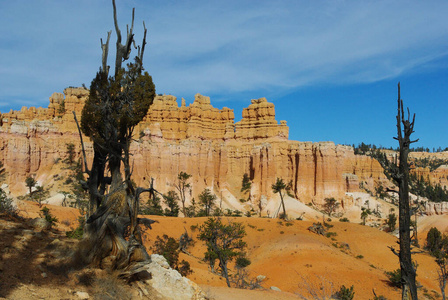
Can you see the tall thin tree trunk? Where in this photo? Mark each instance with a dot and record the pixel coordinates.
(407, 268)
(183, 201)
(283, 205)
(408, 272)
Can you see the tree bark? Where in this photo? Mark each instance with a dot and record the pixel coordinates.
(225, 271)
(283, 205)
(112, 229)
(408, 272)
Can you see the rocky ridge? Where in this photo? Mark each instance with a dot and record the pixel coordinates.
(198, 139)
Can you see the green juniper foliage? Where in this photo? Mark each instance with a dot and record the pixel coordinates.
(224, 242)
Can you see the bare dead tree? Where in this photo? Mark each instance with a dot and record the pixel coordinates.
(260, 207)
(182, 187)
(400, 173)
(442, 273)
(115, 106)
(123, 51)
(105, 48)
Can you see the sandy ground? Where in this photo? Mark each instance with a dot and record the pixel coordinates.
(292, 258)
(226, 293)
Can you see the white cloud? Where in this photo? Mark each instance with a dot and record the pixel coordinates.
(330, 42)
(222, 47)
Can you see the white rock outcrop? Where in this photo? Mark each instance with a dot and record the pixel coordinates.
(169, 283)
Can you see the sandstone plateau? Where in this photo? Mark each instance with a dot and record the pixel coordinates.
(198, 139)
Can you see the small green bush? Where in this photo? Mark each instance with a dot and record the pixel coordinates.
(77, 233)
(168, 247)
(345, 293)
(6, 205)
(344, 220)
(330, 234)
(394, 278)
(434, 241)
(217, 212)
(184, 268)
(391, 221)
(242, 262)
(328, 225)
(52, 220)
(237, 213)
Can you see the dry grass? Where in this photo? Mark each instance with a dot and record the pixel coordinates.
(109, 287)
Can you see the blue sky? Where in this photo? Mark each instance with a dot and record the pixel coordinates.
(330, 67)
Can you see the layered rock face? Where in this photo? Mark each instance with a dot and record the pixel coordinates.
(199, 139)
(436, 208)
(259, 122)
(438, 176)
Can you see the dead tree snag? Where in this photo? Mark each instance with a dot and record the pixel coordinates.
(116, 104)
(400, 173)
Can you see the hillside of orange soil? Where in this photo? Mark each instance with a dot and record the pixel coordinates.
(67, 216)
(291, 257)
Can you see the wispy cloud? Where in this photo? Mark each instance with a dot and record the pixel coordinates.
(291, 44)
(221, 47)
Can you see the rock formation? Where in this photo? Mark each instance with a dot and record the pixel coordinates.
(436, 208)
(199, 139)
(438, 176)
(169, 283)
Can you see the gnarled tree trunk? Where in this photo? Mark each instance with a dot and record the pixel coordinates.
(115, 106)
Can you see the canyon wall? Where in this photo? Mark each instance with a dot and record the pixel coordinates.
(438, 175)
(199, 139)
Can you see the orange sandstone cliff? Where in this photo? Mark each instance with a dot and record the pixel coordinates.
(198, 139)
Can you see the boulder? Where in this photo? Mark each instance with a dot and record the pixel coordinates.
(169, 283)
